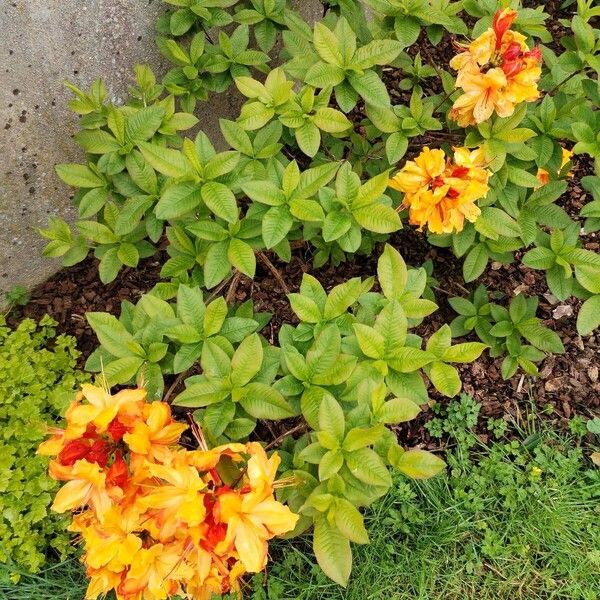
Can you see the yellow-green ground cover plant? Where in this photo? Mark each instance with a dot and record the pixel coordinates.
(38, 377)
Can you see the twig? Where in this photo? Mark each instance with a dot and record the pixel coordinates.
(233, 287)
(218, 289)
(446, 97)
(564, 81)
(171, 389)
(281, 437)
(265, 259)
(432, 63)
(196, 432)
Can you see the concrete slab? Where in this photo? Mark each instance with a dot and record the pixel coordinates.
(42, 44)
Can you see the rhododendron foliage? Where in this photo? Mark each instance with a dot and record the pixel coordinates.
(496, 71)
(441, 193)
(158, 520)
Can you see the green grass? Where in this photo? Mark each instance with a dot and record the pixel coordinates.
(493, 529)
(62, 581)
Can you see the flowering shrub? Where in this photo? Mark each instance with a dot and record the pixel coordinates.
(349, 369)
(299, 166)
(315, 159)
(157, 520)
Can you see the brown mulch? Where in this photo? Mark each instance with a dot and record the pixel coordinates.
(568, 384)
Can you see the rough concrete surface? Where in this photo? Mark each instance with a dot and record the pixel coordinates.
(42, 44)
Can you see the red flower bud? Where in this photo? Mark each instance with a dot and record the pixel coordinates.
(117, 430)
(502, 21)
(460, 172)
(118, 473)
(73, 451)
(99, 453)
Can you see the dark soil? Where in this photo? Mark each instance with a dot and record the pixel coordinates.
(568, 384)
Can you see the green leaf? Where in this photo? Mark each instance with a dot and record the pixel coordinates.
(246, 361)
(326, 44)
(264, 402)
(420, 464)
(378, 218)
(309, 138)
(190, 307)
(216, 264)
(144, 123)
(201, 394)
(539, 336)
(78, 176)
(324, 75)
(370, 87)
(109, 266)
(475, 262)
(371, 342)
(331, 417)
(392, 273)
(445, 378)
(410, 359)
(464, 353)
(336, 224)
(264, 192)
(539, 258)
(128, 254)
(398, 410)
(588, 318)
(111, 333)
(165, 160)
(241, 256)
(350, 522)
(377, 52)
(330, 464)
(331, 120)
(342, 297)
(178, 200)
(276, 224)
(97, 141)
(367, 467)
(122, 370)
(217, 417)
(305, 308)
(254, 115)
(522, 178)
(360, 437)
(332, 550)
(220, 200)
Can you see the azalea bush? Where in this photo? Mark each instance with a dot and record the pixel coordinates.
(346, 372)
(299, 167)
(349, 129)
(38, 375)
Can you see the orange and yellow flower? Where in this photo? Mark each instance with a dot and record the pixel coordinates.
(496, 72)
(157, 520)
(543, 175)
(441, 193)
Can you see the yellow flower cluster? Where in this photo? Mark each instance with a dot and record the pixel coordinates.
(441, 193)
(157, 520)
(496, 72)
